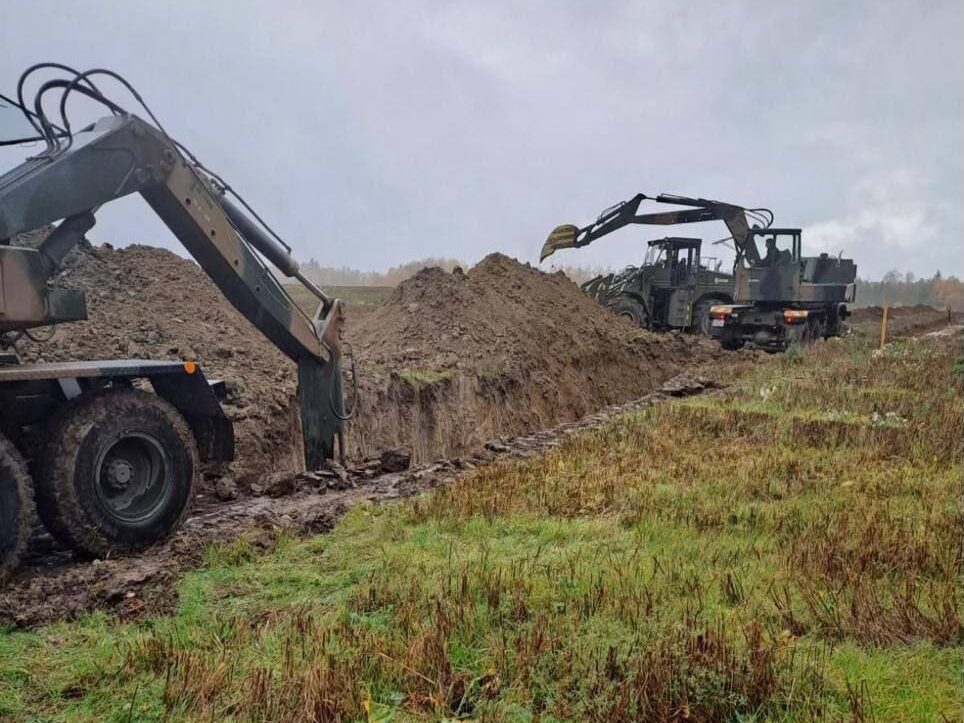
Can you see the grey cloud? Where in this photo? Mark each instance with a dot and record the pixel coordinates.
(372, 133)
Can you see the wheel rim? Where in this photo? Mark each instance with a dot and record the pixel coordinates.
(133, 478)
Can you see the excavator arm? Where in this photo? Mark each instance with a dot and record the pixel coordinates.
(121, 155)
(626, 213)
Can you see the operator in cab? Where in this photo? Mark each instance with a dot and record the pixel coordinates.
(774, 255)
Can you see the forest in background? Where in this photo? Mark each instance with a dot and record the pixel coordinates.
(895, 288)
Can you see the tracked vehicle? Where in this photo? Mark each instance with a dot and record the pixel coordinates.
(109, 450)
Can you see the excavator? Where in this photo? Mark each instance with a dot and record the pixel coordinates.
(108, 451)
(674, 288)
(779, 299)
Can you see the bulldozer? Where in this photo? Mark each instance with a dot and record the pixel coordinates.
(770, 302)
(107, 452)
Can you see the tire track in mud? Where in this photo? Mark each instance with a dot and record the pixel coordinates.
(54, 585)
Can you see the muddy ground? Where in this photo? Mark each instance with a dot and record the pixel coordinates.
(460, 368)
(447, 362)
(54, 586)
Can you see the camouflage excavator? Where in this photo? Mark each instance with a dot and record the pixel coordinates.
(109, 465)
(778, 299)
(675, 287)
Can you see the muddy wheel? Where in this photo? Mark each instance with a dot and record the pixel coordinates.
(701, 316)
(16, 507)
(631, 310)
(118, 472)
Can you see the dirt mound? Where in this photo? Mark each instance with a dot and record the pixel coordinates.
(450, 361)
(501, 316)
(148, 302)
(504, 348)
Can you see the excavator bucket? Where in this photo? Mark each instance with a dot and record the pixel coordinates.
(562, 237)
(322, 405)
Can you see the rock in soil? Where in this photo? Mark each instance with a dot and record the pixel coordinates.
(226, 489)
(395, 460)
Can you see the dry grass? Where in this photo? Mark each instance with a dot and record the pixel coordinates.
(791, 551)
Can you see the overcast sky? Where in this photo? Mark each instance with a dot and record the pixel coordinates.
(372, 133)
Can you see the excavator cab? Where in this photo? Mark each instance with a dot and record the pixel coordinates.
(784, 275)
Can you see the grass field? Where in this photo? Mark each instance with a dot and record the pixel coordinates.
(787, 552)
(351, 295)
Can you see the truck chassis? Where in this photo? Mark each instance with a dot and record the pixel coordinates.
(111, 465)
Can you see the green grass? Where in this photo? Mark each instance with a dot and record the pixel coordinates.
(418, 377)
(790, 552)
(351, 295)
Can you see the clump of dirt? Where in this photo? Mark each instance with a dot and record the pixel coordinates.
(146, 302)
(458, 357)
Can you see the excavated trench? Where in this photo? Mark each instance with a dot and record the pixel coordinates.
(450, 362)
(52, 585)
(447, 362)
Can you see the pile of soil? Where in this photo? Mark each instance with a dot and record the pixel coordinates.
(504, 348)
(146, 302)
(450, 361)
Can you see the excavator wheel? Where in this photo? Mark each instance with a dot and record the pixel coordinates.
(17, 513)
(631, 310)
(118, 472)
(701, 315)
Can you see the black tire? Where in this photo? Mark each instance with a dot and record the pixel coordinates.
(17, 513)
(701, 315)
(632, 310)
(118, 472)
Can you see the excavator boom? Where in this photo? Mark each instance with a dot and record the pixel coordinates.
(120, 463)
(626, 213)
(121, 155)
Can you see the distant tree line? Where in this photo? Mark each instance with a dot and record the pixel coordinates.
(906, 289)
(895, 288)
(345, 276)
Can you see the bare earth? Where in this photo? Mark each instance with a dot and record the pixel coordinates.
(455, 369)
